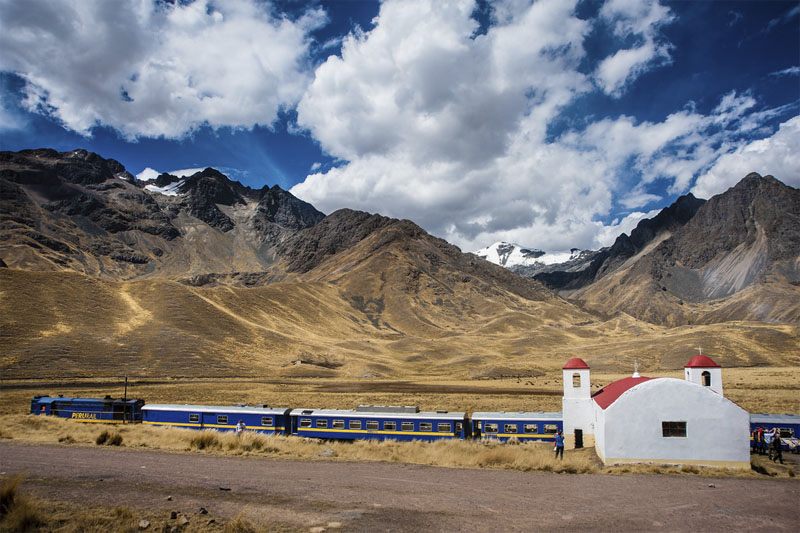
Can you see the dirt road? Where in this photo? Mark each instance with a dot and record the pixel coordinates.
(399, 497)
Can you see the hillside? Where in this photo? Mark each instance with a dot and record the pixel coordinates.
(75, 211)
(200, 276)
(737, 258)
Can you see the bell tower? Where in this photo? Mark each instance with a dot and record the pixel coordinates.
(576, 405)
(702, 370)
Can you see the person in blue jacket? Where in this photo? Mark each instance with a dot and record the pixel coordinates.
(559, 444)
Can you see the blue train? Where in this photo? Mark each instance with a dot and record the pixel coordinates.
(375, 422)
(522, 426)
(107, 410)
(380, 423)
(788, 425)
(262, 419)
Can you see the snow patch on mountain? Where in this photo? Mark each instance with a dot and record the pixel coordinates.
(168, 190)
(509, 255)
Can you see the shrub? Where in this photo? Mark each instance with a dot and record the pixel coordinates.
(240, 525)
(8, 494)
(109, 439)
(16, 512)
(205, 440)
(102, 438)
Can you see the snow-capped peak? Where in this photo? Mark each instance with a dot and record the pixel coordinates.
(508, 255)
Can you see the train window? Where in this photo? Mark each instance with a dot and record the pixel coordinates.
(338, 424)
(459, 426)
(305, 422)
(266, 421)
(426, 426)
(322, 423)
(490, 428)
(194, 418)
(222, 419)
(509, 428)
(407, 426)
(373, 424)
(673, 429)
(355, 424)
(530, 428)
(550, 428)
(444, 427)
(787, 433)
(390, 426)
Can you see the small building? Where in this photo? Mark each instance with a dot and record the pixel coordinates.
(657, 420)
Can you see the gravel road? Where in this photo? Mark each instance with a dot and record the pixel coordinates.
(399, 497)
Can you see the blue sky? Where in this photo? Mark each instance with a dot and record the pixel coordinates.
(554, 124)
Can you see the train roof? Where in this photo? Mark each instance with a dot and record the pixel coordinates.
(51, 399)
(517, 415)
(242, 409)
(762, 418)
(361, 413)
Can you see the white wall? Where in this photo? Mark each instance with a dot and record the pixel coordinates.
(717, 430)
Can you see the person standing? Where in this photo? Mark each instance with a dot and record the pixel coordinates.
(762, 445)
(777, 449)
(559, 444)
(240, 427)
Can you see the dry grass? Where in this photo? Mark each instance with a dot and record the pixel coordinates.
(526, 457)
(17, 513)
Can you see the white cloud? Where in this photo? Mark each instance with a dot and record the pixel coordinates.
(185, 172)
(791, 71)
(777, 155)
(154, 69)
(639, 20)
(149, 174)
(450, 131)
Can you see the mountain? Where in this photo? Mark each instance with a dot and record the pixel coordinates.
(104, 275)
(735, 257)
(79, 212)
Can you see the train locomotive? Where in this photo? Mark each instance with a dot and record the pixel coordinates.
(107, 410)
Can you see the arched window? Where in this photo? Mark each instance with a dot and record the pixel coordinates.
(576, 380)
(706, 378)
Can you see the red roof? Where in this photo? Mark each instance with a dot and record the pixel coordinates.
(701, 361)
(576, 363)
(608, 394)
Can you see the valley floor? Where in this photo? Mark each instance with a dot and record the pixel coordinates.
(347, 496)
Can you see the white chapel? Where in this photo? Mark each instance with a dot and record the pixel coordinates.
(657, 420)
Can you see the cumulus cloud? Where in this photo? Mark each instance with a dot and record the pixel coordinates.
(776, 155)
(155, 69)
(449, 129)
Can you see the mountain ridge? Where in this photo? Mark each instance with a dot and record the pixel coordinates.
(102, 274)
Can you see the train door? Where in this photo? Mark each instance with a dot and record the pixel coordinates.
(208, 420)
(579, 438)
